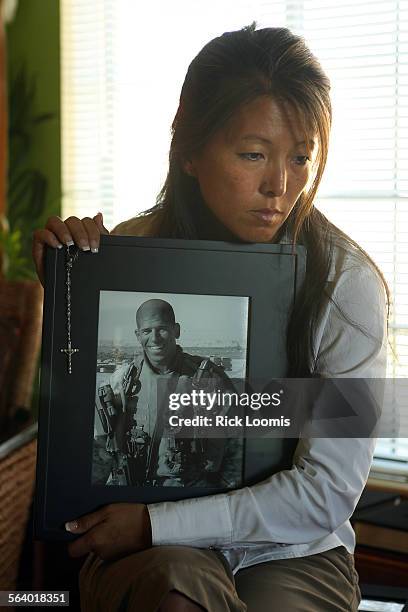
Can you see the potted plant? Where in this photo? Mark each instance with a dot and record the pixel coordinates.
(20, 292)
(22, 202)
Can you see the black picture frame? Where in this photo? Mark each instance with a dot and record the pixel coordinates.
(270, 275)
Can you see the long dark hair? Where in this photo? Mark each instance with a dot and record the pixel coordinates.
(231, 70)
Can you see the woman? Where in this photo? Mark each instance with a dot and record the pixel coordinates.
(249, 146)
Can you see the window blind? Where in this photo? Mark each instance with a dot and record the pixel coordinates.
(363, 46)
(123, 64)
(88, 98)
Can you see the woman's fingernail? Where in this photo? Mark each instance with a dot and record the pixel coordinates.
(84, 245)
(59, 245)
(70, 243)
(71, 525)
(95, 250)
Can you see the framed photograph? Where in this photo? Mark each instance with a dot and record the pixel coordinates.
(142, 343)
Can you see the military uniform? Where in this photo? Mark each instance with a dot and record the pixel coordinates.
(140, 448)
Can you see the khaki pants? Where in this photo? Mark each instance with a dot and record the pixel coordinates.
(325, 582)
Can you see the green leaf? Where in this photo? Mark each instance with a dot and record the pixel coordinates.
(15, 265)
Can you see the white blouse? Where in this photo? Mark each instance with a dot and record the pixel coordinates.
(306, 509)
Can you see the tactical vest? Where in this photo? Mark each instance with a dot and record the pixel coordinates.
(134, 451)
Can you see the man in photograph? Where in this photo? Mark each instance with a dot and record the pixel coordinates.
(138, 447)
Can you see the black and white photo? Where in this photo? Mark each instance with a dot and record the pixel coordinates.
(186, 342)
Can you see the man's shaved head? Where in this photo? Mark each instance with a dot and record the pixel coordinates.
(158, 308)
(157, 332)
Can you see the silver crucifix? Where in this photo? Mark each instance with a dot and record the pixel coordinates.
(69, 351)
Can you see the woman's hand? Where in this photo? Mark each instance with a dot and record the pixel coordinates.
(84, 233)
(113, 531)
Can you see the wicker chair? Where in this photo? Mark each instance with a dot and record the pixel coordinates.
(17, 475)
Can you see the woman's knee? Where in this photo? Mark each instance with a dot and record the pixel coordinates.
(160, 576)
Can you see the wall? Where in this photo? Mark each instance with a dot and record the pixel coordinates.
(33, 37)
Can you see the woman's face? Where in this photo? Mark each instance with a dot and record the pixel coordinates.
(252, 171)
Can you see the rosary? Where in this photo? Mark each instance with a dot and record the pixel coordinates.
(69, 351)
